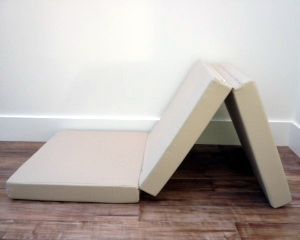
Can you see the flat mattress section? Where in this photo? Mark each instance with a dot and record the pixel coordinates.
(87, 166)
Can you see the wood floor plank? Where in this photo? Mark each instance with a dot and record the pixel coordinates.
(24, 149)
(265, 214)
(121, 228)
(213, 195)
(206, 198)
(8, 165)
(281, 231)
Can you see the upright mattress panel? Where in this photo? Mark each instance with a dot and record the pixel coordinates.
(251, 123)
(185, 118)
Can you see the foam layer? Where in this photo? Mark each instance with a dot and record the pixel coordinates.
(186, 117)
(90, 166)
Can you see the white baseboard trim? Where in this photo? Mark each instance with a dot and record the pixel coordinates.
(223, 132)
(294, 141)
(42, 127)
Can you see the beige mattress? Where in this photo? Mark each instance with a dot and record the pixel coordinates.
(181, 124)
(99, 166)
(251, 123)
(106, 166)
(89, 166)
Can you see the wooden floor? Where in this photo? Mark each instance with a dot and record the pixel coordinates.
(213, 195)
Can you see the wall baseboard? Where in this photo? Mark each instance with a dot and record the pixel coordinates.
(294, 141)
(41, 128)
(223, 132)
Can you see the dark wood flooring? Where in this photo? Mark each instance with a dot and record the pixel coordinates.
(213, 195)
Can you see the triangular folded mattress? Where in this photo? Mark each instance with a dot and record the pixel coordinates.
(111, 166)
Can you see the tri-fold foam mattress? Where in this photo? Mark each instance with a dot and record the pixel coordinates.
(112, 166)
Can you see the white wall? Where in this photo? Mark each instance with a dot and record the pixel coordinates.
(294, 141)
(79, 64)
(297, 94)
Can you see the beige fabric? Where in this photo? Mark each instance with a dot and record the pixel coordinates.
(93, 166)
(187, 115)
(250, 121)
(99, 166)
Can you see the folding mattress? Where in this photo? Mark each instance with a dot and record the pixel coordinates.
(112, 166)
(93, 166)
